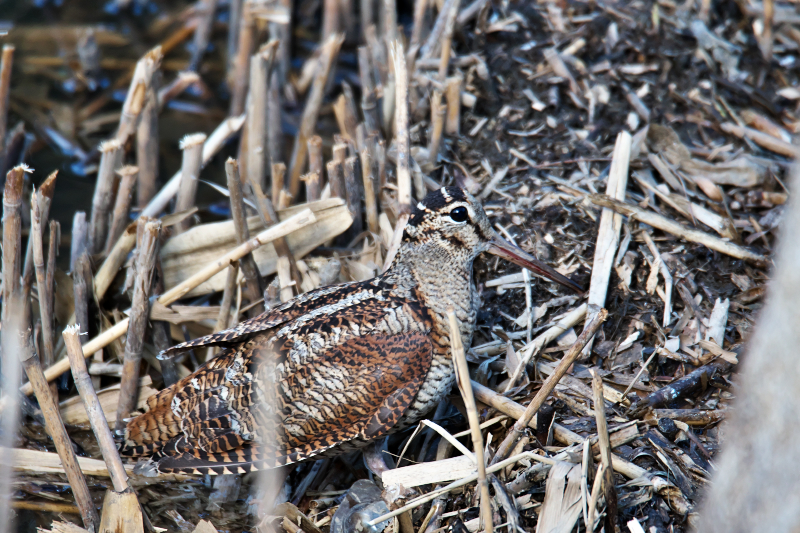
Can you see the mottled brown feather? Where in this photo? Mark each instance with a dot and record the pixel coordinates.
(331, 369)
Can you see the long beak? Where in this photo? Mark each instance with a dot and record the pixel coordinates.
(502, 248)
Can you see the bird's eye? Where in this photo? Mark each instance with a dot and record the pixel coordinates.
(459, 214)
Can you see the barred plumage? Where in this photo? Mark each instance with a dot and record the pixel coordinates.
(341, 364)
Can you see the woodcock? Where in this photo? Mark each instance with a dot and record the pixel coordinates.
(336, 367)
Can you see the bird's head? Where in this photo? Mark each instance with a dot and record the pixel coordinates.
(451, 224)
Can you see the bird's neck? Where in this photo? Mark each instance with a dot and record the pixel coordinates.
(439, 278)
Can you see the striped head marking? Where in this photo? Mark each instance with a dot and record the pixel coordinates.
(449, 226)
(452, 221)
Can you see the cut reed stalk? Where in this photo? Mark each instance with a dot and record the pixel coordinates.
(176, 87)
(452, 91)
(206, 12)
(336, 179)
(6, 61)
(438, 110)
(49, 290)
(330, 19)
(330, 50)
(285, 279)
(256, 123)
(350, 118)
(435, 37)
(274, 119)
(248, 264)
(370, 198)
(97, 419)
(147, 155)
(447, 38)
(12, 238)
(352, 183)
(148, 233)
(234, 16)
(136, 97)
(605, 451)
(55, 428)
(367, 16)
(114, 261)
(160, 332)
(369, 105)
(266, 211)
(465, 386)
(111, 153)
(82, 287)
(224, 318)
(212, 145)
(128, 176)
(241, 64)
(44, 198)
(191, 163)
(278, 179)
(315, 167)
(79, 236)
(389, 21)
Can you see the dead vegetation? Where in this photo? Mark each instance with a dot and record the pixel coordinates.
(640, 148)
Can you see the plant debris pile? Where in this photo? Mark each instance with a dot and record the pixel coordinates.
(639, 148)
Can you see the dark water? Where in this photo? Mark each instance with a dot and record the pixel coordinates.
(46, 30)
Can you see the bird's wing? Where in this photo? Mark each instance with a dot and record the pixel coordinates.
(286, 312)
(357, 390)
